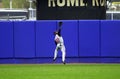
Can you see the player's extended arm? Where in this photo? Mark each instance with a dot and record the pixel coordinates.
(59, 28)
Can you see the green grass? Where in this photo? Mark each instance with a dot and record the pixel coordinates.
(60, 71)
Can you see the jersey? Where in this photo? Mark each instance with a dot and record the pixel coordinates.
(59, 40)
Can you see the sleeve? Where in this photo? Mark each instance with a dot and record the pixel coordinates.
(59, 31)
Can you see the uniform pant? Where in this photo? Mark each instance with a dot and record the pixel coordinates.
(63, 50)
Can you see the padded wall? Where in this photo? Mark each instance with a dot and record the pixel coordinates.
(24, 39)
(44, 38)
(29, 39)
(110, 38)
(88, 38)
(6, 39)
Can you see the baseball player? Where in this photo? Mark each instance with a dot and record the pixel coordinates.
(59, 44)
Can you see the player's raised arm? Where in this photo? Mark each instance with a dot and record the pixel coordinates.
(59, 28)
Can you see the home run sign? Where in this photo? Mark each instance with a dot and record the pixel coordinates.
(71, 9)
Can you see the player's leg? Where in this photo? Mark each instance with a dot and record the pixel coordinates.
(55, 53)
(63, 54)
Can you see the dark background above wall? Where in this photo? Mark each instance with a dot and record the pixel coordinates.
(82, 11)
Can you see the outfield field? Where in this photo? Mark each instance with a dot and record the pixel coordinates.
(60, 71)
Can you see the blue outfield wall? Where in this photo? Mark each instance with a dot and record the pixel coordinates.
(6, 40)
(24, 39)
(44, 38)
(110, 41)
(85, 41)
(89, 38)
(110, 38)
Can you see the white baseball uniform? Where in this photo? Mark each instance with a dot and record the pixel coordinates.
(59, 45)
